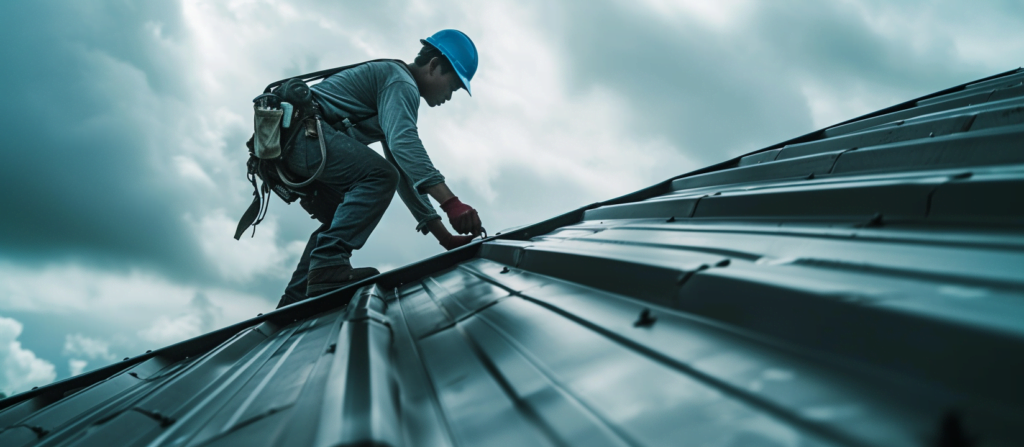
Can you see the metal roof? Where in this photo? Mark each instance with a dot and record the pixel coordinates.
(860, 285)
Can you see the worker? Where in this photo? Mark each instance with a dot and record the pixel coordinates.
(389, 93)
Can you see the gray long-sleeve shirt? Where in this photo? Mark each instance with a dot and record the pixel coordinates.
(388, 89)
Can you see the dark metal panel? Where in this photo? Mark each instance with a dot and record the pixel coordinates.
(266, 431)
(977, 110)
(571, 231)
(973, 109)
(972, 99)
(825, 200)
(655, 272)
(461, 293)
(423, 420)
(797, 388)
(1002, 116)
(361, 396)
(681, 207)
(992, 266)
(966, 93)
(1001, 81)
(513, 280)
(20, 435)
(424, 315)
(1003, 145)
(992, 197)
(11, 415)
(505, 252)
(914, 330)
(478, 409)
(536, 397)
(1007, 93)
(187, 391)
(564, 418)
(758, 158)
(800, 167)
(647, 400)
(99, 398)
(889, 133)
(266, 382)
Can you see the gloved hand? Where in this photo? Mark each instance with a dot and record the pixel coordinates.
(463, 218)
(453, 242)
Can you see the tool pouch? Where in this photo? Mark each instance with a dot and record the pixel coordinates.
(268, 133)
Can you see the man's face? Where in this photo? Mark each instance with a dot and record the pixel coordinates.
(437, 88)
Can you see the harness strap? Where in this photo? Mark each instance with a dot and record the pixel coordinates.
(319, 169)
(253, 212)
(317, 75)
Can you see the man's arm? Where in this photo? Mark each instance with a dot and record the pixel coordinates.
(440, 192)
(398, 104)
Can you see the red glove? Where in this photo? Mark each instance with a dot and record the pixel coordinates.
(462, 217)
(453, 242)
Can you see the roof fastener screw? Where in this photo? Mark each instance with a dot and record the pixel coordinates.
(126, 358)
(148, 351)
(963, 175)
(504, 270)
(35, 388)
(645, 319)
(810, 176)
(333, 347)
(899, 123)
(723, 263)
(671, 219)
(931, 134)
(259, 315)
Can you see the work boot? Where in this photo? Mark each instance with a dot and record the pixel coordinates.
(325, 279)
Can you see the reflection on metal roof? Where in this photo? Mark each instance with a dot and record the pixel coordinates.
(862, 285)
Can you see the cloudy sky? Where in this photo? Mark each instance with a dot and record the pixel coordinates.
(124, 121)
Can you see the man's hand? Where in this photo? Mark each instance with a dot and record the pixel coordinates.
(445, 238)
(463, 218)
(453, 242)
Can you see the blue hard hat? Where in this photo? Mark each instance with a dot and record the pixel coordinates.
(460, 51)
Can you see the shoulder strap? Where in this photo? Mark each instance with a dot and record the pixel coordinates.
(318, 75)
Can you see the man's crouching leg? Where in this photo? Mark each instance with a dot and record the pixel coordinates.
(296, 289)
(366, 183)
(354, 220)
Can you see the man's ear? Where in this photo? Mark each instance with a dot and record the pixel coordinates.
(434, 63)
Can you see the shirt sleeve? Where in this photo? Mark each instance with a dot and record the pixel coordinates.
(418, 204)
(397, 109)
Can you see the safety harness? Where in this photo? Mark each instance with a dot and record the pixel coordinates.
(318, 201)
